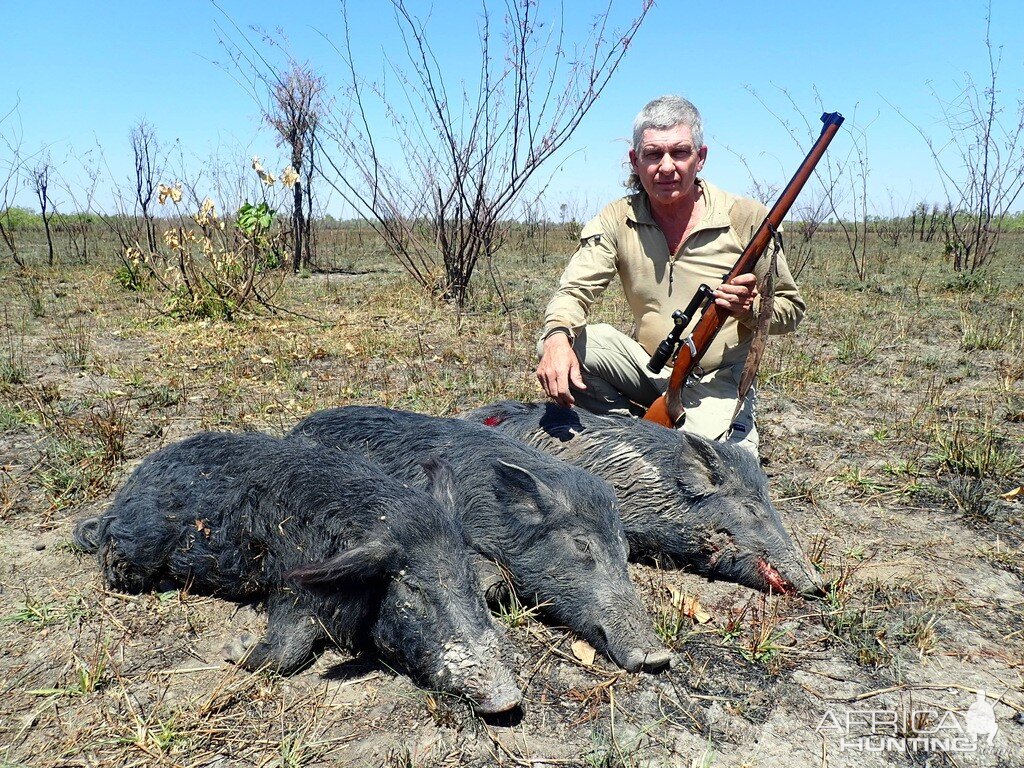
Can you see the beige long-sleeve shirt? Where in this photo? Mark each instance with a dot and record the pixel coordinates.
(624, 240)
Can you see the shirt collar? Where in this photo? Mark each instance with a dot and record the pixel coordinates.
(716, 207)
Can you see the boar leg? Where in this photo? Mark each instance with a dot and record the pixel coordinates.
(288, 645)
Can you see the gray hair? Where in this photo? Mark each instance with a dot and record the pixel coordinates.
(665, 112)
(668, 112)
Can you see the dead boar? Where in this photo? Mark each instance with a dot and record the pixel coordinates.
(338, 551)
(685, 501)
(552, 526)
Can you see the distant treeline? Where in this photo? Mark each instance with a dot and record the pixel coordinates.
(925, 220)
(24, 220)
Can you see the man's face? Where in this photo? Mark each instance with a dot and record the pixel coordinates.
(668, 163)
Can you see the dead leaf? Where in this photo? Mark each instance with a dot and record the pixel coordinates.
(583, 651)
(203, 527)
(689, 606)
(677, 598)
(1011, 495)
(693, 609)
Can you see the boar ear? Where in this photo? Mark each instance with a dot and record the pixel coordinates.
(528, 487)
(700, 466)
(519, 478)
(360, 563)
(440, 482)
(526, 483)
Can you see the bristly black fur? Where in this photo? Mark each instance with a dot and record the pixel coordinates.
(554, 527)
(338, 550)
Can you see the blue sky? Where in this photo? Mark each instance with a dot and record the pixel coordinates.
(82, 74)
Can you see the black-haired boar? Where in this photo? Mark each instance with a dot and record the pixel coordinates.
(339, 552)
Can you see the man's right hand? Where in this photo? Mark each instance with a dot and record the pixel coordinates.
(558, 368)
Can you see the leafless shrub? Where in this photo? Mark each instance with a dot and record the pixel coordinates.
(130, 217)
(10, 179)
(149, 165)
(470, 144)
(40, 181)
(980, 160)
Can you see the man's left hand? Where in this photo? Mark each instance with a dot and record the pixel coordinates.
(736, 298)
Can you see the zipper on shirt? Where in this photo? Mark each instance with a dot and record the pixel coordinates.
(674, 257)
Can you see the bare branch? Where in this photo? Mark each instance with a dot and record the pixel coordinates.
(980, 163)
(467, 151)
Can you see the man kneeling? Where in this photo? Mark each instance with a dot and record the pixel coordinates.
(673, 233)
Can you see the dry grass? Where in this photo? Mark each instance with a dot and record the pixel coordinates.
(892, 429)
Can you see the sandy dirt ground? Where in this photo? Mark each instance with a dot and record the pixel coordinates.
(863, 431)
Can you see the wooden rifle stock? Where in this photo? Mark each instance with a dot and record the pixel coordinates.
(667, 410)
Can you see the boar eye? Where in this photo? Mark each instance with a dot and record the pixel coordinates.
(581, 545)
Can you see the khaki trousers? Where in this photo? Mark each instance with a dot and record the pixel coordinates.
(614, 368)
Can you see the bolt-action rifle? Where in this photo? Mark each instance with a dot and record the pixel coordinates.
(667, 410)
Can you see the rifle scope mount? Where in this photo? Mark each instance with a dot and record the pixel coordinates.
(680, 319)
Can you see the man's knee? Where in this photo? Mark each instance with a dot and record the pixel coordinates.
(613, 357)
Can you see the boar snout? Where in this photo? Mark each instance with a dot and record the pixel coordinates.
(798, 579)
(479, 673)
(504, 697)
(629, 640)
(637, 660)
